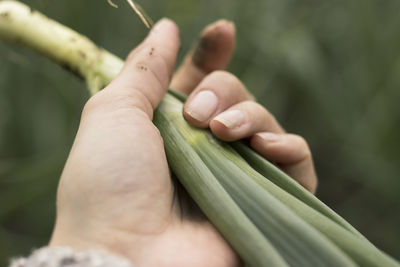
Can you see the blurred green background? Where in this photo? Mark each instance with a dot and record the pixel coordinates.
(328, 70)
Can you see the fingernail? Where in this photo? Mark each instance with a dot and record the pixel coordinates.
(202, 106)
(269, 137)
(218, 24)
(225, 22)
(231, 119)
(159, 26)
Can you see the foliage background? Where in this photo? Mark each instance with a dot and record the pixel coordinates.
(328, 70)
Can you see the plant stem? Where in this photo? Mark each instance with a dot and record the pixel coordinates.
(21, 24)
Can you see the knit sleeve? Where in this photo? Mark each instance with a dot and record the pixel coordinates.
(67, 257)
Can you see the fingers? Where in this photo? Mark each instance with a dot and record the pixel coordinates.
(222, 103)
(291, 153)
(213, 51)
(146, 75)
(217, 92)
(243, 120)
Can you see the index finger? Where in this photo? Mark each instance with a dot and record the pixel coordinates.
(213, 51)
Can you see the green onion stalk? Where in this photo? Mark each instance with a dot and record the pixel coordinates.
(267, 217)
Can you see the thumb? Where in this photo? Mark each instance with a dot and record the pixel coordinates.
(147, 72)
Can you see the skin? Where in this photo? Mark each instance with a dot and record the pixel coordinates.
(116, 193)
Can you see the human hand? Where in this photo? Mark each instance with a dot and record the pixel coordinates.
(116, 192)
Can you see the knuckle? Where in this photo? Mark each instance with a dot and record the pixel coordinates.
(302, 144)
(131, 56)
(253, 107)
(225, 76)
(151, 60)
(258, 113)
(301, 141)
(228, 85)
(259, 107)
(311, 184)
(94, 102)
(134, 53)
(269, 118)
(125, 99)
(251, 97)
(314, 186)
(157, 64)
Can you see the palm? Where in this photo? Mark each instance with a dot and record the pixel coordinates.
(116, 189)
(148, 216)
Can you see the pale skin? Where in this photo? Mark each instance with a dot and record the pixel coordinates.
(116, 192)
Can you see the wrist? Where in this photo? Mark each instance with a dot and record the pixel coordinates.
(84, 238)
(67, 256)
(79, 237)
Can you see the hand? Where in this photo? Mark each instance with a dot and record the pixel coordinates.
(116, 192)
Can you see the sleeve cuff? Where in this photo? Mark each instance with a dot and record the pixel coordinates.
(67, 257)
